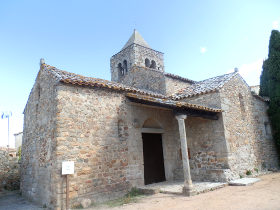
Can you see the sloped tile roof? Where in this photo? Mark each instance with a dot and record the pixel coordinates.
(76, 79)
(262, 98)
(204, 86)
(174, 76)
(171, 103)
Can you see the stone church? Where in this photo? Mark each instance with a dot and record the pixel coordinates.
(142, 127)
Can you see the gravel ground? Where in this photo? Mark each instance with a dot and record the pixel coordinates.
(259, 196)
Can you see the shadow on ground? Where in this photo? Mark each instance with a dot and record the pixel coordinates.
(12, 200)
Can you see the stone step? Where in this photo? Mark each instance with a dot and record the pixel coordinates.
(244, 181)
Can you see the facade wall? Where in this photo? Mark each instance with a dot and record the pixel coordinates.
(39, 141)
(267, 156)
(101, 132)
(243, 117)
(208, 149)
(92, 132)
(165, 119)
(174, 85)
(209, 99)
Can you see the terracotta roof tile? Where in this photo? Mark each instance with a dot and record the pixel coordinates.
(171, 103)
(174, 76)
(205, 86)
(76, 79)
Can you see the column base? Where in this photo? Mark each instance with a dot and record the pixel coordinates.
(188, 192)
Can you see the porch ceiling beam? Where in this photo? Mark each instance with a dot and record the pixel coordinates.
(188, 111)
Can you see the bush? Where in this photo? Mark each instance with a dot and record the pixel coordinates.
(248, 172)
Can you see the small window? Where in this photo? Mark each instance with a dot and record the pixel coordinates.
(120, 69)
(147, 62)
(125, 66)
(267, 129)
(242, 104)
(153, 64)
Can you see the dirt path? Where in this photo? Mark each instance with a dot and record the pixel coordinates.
(262, 195)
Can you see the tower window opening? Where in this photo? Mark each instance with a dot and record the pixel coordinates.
(147, 62)
(125, 66)
(120, 68)
(153, 64)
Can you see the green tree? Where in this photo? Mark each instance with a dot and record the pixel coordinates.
(270, 83)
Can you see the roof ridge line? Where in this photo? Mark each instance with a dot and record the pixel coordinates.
(96, 82)
(173, 96)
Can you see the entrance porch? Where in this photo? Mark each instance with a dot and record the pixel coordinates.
(188, 142)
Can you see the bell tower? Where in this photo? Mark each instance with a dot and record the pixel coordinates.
(136, 52)
(138, 65)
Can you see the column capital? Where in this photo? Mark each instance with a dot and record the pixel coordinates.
(181, 116)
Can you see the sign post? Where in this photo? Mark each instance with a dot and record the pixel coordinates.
(67, 168)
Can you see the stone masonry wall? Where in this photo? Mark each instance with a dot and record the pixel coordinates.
(9, 170)
(267, 156)
(141, 53)
(127, 54)
(92, 132)
(174, 85)
(135, 55)
(209, 99)
(208, 149)
(100, 131)
(138, 115)
(39, 141)
(145, 78)
(242, 131)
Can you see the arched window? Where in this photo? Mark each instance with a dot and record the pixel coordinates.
(120, 68)
(153, 64)
(147, 62)
(125, 66)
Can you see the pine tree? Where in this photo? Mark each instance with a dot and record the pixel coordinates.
(270, 83)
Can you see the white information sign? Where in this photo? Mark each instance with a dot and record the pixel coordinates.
(67, 167)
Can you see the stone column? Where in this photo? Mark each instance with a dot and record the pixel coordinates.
(188, 187)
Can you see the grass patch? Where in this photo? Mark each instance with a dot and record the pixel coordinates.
(248, 172)
(131, 197)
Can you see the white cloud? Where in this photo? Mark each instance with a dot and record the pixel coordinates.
(251, 71)
(203, 50)
(275, 24)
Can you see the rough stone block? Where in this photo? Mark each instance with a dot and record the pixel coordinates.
(86, 203)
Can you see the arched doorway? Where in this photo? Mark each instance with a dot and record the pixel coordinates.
(153, 152)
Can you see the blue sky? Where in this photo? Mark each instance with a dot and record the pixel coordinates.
(200, 39)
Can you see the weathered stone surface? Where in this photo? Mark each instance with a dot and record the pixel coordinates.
(86, 203)
(244, 181)
(9, 170)
(39, 143)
